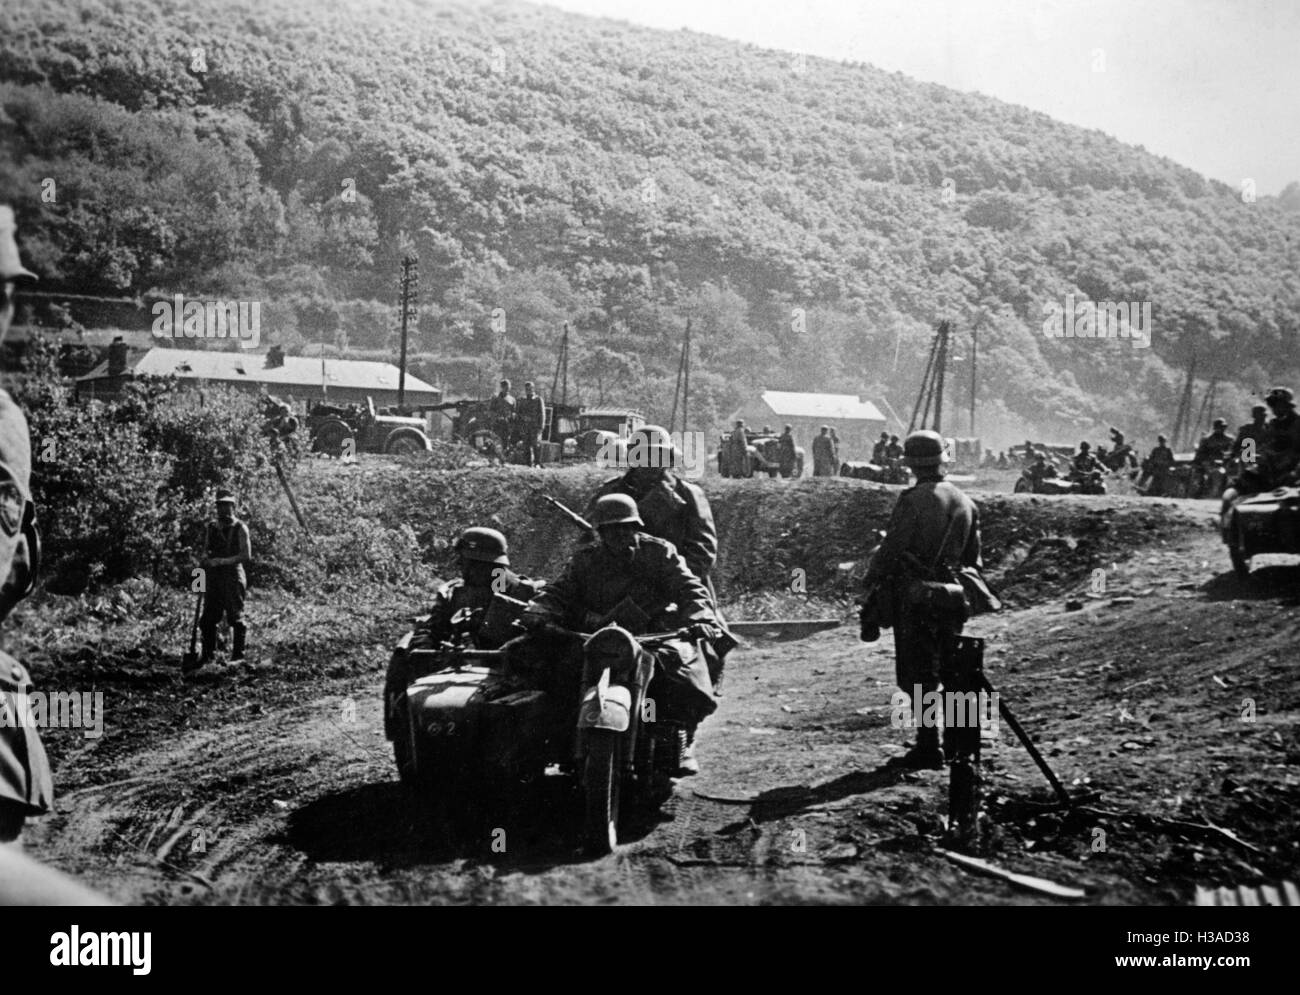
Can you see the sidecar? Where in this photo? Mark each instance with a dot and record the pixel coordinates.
(1259, 523)
(466, 730)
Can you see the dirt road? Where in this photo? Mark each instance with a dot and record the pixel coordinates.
(1173, 692)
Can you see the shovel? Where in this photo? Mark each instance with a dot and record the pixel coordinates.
(190, 661)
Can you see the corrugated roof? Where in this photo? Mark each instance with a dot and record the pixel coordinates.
(844, 407)
(250, 367)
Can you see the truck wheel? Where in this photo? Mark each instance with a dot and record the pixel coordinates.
(330, 437)
(406, 442)
(601, 781)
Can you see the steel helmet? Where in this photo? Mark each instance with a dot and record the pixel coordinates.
(923, 448)
(615, 509)
(1280, 395)
(650, 439)
(1084, 446)
(483, 545)
(1220, 423)
(1259, 409)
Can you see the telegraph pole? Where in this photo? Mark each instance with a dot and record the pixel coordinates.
(410, 284)
(974, 353)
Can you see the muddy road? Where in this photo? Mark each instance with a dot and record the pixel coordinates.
(1172, 692)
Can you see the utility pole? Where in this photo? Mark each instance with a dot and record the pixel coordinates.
(1184, 405)
(683, 386)
(410, 294)
(974, 353)
(686, 381)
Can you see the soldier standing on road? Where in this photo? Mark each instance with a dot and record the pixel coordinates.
(226, 550)
(933, 530)
(530, 418)
(824, 454)
(501, 411)
(835, 449)
(1158, 465)
(788, 457)
(738, 450)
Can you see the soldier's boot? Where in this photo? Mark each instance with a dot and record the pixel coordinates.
(208, 639)
(238, 632)
(926, 754)
(688, 765)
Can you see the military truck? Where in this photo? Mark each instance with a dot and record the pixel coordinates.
(342, 430)
(571, 432)
(763, 455)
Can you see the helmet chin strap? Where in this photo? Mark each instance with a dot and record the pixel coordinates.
(24, 570)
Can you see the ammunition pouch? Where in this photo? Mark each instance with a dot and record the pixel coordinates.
(979, 597)
(946, 603)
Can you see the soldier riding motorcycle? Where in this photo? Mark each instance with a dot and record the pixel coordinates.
(641, 679)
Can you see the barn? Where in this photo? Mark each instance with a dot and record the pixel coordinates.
(858, 423)
(341, 381)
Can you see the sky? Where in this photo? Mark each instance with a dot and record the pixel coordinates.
(1212, 84)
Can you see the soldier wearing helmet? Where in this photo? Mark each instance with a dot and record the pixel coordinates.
(227, 549)
(670, 507)
(878, 450)
(1282, 439)
(26, 787)
(1212, 456)
(1156, 469)
(1249, 442)
(478, 608)
(641, 583)
(895, 449)
(933, 531)
(1084, 462)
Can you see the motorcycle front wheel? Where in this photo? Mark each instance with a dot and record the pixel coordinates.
(602, 778)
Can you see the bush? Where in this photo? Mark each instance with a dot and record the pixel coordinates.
(125, 487)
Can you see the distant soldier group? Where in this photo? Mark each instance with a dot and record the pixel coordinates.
(519, 421)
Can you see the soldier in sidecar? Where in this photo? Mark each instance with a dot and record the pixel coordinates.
(470, 619)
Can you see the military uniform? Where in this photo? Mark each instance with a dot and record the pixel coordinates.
(1215, 446)
(1254, 432)
(922, 517)
(824, 457)
(597, 588)
(738, 451)
(1159, 464)
(788, 457)
(878, 451)
(674, 510)
(456, 595)
(501, 409)
(530, 417)
(26, 783)
(490, 614)
(225, 587)
(1282, 446)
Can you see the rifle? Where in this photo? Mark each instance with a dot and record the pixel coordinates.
(569, 513)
